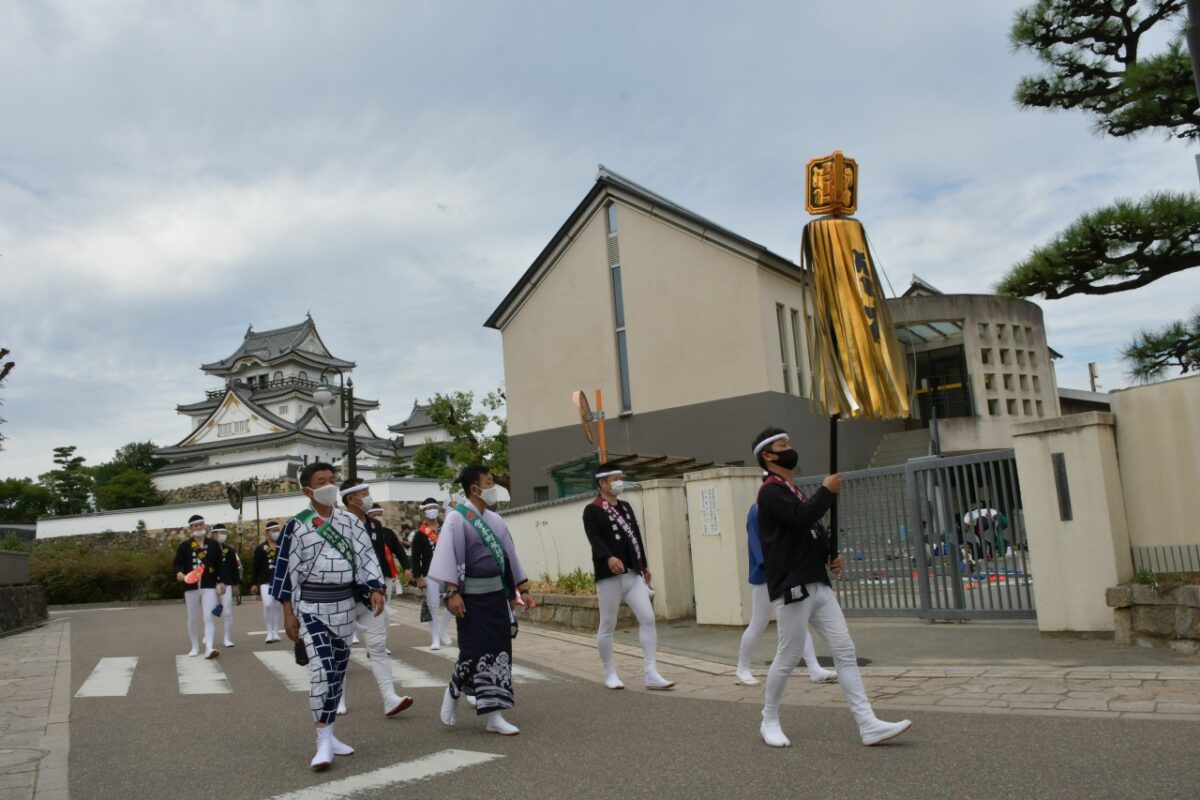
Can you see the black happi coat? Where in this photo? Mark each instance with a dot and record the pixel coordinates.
(384, 539)
(608, 539)
(795, 548)
(206, 552)
(263, 565)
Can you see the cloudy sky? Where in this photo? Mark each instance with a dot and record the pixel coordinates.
(173, 172)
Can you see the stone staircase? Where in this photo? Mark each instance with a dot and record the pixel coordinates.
(898, 447)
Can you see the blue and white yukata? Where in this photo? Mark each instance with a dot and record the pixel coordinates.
(325, 589)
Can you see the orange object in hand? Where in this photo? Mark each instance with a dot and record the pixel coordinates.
(194, 576)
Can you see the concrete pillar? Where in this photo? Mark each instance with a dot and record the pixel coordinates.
(1075, 518)
(663, 517)
(717, 503)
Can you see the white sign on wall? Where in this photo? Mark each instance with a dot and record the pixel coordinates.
(708, 512)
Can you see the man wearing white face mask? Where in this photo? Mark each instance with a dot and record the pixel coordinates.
(424, 543)
(230, 577)
(619, 559)
(197, 563)
(325, 568)
(357, 499)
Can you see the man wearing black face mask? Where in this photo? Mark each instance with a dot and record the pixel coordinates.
(797, 558)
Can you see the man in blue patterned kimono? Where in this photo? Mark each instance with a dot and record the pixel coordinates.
(477, 564)
(326, 566)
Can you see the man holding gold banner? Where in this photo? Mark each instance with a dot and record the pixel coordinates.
(795, 554)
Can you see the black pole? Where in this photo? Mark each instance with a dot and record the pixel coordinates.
(1192, 33)
(351, 444)
(833, 468)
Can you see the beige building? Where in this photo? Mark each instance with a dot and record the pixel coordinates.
(696, 337)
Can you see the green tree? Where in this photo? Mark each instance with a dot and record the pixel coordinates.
(132, 488)
(133, 456)
(476, 437)
(22, 500)
(432, 460)
(71, 484)
(1152, 353)
(1094, 53)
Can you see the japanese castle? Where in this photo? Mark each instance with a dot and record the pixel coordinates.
(282, 405)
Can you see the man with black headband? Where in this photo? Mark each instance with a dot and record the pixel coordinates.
(261, 569)
(356, 497)
(230, 576)
(619, 560)
(424, 542)
(477, 563)
(197, 564)
(325, 569)
(797, 560)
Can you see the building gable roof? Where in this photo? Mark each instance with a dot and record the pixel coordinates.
(301, 341)
(610, 184)
(418, 419)
(235, 397)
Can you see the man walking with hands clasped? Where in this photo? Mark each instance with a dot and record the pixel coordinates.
(796, 556)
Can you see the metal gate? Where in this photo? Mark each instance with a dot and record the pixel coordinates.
(936, 538)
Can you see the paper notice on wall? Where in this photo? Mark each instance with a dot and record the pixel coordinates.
(708, 512)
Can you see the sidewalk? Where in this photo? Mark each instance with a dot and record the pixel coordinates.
(35, 704)
(988, 669)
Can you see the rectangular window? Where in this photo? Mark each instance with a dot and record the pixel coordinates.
(610, 217)
(283, 409)
(1020, 358)
(783, 348)
(1027, 408)
(1039, 409)
(1000, 326)
(994, 408)
(989, 380)
(623, 359)
(1008, 381)
(1033, 359)
(798, 347)
(1037, 384)
(1024, 382)
(1011, 407)
(230, 428)
(1005, 356)
(983, 329)
(541, 494)
(618, 297)
(985, 355)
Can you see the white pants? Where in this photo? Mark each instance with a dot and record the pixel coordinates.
(760, 615)
(227, 612)
(200, 603)
(820, 610)
(375, 631)
(272, 611)
(631, 588)
(440, 624)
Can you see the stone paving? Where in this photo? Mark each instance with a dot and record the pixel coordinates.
(35, 705)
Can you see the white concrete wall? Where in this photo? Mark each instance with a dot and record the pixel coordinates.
(1076, 559)
(1158, 441)
(550, 539)
(266, 470)
(718, 501)
(175, 516)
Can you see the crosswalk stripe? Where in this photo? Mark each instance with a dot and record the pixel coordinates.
(198, 675)
(283, 666)
(110, 678)
(520, 674)
(430, 766)
(407, 676)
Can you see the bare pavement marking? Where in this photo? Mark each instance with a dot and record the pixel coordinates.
(110, 678)
(407, 676)
(282, 664)
(199, 675)
(430, 766)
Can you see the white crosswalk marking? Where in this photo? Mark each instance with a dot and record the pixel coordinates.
(110, 678)
(198, 675)
(430, 766)
(520, 674)
(408, 677)
(282, 665)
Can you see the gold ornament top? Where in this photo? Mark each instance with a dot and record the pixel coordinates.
(831, 185)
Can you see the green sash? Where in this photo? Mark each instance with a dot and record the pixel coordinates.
(490, 541)
(327, 532)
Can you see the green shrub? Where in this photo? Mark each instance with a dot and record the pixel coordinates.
(16, 544)
(577, 582)
(71, 573)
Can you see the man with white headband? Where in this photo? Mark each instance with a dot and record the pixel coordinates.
(619, 560)
(798, 560)
(397, 570)
(230, 576)
(356, 497)
(261, 569)
(424, 543)
(197, 564)
(324, 570)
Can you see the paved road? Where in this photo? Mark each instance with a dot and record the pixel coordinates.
(578, 740)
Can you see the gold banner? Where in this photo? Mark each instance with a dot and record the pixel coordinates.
(860, 370)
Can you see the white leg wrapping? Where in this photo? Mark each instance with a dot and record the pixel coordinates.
(608, 593)
(208, 601)
(760, 616)
(192, 605)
